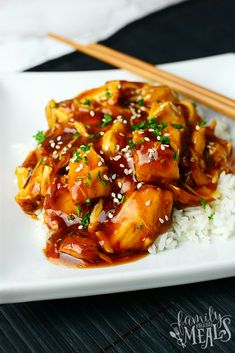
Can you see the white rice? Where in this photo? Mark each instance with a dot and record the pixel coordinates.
(194, 223)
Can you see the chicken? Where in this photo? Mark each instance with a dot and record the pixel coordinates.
(88, 175)
(137, 222)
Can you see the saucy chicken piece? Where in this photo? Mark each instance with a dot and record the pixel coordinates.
(154, 161)
(81, 248)
(33, 185)
(137, 222)
(88, 175)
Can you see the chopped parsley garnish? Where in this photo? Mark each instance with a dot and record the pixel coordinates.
(194, 104)
(105, 182)
(139, 126)
(87, 101)
(79, 210)
(202, 123)
(86, 220)
(76, 134)
(178, 126)
(85, 148)
(123, 198)
(77, 156)
(88, 202)
(175, 156)
(211, 216)
(86, 160)
(203, 203)
(39, 137)
(108, 94)
(165, 140)
(90, 136)
(86, 184)
(89, 176)
(106, 120)
(132, 144)
(140, 226)
(71, 217)
(151, 124)
(140, 102)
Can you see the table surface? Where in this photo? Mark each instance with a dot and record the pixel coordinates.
(137, 321)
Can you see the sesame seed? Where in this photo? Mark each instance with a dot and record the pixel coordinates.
(167, 134)
(139, 185)
(151, 130)
(158, 138)
(101, 133)
(77, 169)
(163, 147)
(121, 134)
(126, 171)
(101, 152)
(115, 200)
(114, 176)
(80, 227)
(124, 121)
(197, 127)
(146, 139)
(119, 184)
(67, 168)
(58, 138)
(122, 165)
(99, 164)
(110, 215)
(147, 203)
(113, 194)
(52, 144)
(106, 177)
(166, 218)
(69, 145)
(116, 158)
(129, 159)
(161, 220)
(117, 147)
(119, 196)
(130, 171)
(92, 113)
(57, 147)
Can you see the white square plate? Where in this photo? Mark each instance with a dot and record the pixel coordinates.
(25, 274)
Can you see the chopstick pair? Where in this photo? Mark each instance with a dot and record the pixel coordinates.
(192, 90)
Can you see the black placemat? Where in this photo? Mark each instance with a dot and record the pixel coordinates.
(138, 321)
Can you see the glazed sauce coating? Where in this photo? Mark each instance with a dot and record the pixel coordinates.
(112, 165)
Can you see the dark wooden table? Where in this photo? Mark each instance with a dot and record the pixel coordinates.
(137, 321)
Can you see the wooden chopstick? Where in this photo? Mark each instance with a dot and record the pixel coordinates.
(196, 92)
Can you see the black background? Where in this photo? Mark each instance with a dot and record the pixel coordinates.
(137, 321)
